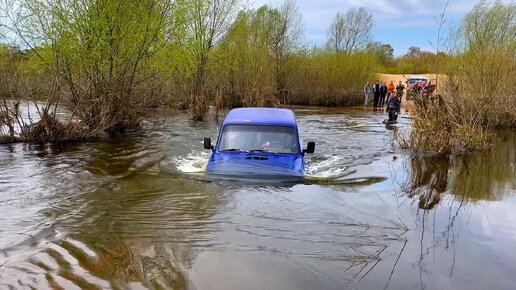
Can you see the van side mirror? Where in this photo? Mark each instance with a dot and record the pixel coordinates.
(310, 147)
(207, 144)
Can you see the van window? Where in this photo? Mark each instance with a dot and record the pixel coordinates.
(249, 138)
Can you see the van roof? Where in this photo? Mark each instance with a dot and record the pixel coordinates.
(260, 116)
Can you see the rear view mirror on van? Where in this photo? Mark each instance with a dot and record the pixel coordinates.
(310, 147)
(207, 144)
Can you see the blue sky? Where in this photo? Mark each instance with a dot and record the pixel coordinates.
(401, 23)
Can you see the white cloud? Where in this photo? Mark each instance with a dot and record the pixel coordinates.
(378, 5)
(398, 15)
(394, 13)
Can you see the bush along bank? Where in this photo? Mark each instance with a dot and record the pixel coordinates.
(478, 94)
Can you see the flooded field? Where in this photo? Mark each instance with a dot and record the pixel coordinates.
(137, 212)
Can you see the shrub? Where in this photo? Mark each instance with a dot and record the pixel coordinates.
(478, 93)
(326, 78)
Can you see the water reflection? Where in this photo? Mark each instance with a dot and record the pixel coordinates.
(469, 178)
(145, 231)
(428, 180)
(451, 224)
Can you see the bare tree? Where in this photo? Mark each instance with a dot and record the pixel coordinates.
(351, 31)
(336, 33)
(4, 7)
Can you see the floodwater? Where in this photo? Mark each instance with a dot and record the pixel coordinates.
(137, 212)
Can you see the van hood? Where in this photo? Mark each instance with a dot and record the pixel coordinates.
(255, 165)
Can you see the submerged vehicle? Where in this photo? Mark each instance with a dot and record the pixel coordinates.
(258, 142)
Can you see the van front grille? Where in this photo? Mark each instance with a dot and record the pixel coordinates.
(257, 157)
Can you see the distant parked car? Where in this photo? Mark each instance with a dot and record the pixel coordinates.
(416, 81)
(418, 88)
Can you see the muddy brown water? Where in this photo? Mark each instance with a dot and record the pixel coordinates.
(137, 212)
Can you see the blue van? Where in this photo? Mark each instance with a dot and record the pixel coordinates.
(258, 142)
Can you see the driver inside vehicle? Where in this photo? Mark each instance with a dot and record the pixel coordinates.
(274, 142)
(262, 143)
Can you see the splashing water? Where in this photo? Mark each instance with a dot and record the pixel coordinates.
(318, 168)
(194, 162)
(326, 168)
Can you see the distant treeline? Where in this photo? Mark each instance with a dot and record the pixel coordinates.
(415, 61)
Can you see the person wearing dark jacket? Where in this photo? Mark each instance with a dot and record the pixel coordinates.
(393, 105)
(383, 93)
(376, 93)
(399, 93)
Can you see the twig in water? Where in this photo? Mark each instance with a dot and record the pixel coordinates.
(395, 263)
(399, 218)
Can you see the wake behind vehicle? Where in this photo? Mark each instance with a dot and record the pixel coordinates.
(258, 142)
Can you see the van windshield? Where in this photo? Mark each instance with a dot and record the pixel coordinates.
(249, 138)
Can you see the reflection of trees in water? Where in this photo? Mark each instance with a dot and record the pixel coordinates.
(428, 180)
(116, 157)
(462, 180)
(148, 227)
(142, 228)
(442, 237)
(479, 176)
(134, 224)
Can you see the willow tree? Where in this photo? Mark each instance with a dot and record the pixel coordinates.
(256, 52)
(97, 50)
(242, 65)
(208, 22)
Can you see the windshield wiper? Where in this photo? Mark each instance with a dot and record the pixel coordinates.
(260, 150)
(233, 150)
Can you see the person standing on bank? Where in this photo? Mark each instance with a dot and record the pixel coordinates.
(383, 93)
(399, 93)
(367, 94)
(376, 93)
(390, 88)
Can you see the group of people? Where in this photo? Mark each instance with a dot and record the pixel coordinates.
(384, 94)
